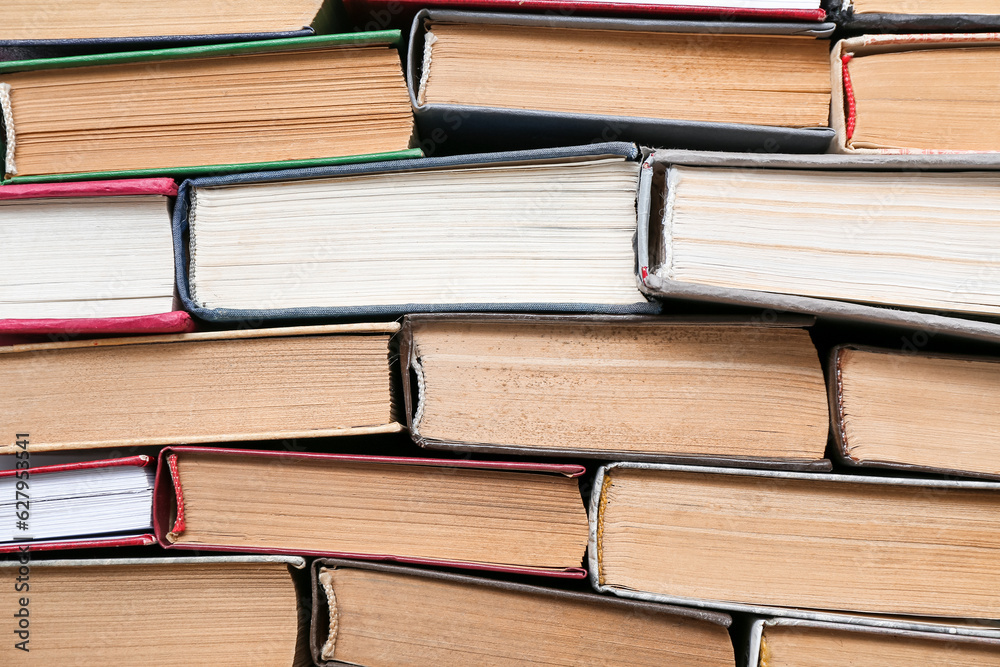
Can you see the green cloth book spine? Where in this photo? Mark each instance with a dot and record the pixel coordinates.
(387, 37)
(181, 173)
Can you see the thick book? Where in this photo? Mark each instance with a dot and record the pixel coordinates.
(915, 16)
(249, 384)
(724, 390)
(547, 230)
(883, 239)
(206, 109)
(103, 503)
(479, 81)
(87, 258)
(372, 613)
(204, 611)
(788, 642)
(920, 93)
(928, 412)
(796, 544)
(516, 517)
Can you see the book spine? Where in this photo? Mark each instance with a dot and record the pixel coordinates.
(144, 540)
(379, 13)
(108, 188)
(139, 461)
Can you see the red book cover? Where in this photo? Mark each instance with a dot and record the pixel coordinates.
(169, 506)
(144, 540)
(29, 473)
(169, 322)
(176, 321)
(133, 186)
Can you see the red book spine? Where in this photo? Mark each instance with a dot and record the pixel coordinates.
(176, 321)
(117, 188)
(140, 461)
(86, 543)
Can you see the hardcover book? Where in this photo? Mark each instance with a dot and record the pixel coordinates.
(477, 80)
(249, 384)
(937, 93)
(722, 390)
(788, 642)
(106, 503)
(84, 258)
(888, 239)
(796, 544)
(937, 413)
(206, 109)
(544, 230)
(501, 516)
(170, 611)
(376, 614)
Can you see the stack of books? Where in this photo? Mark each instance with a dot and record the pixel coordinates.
(431, 332)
